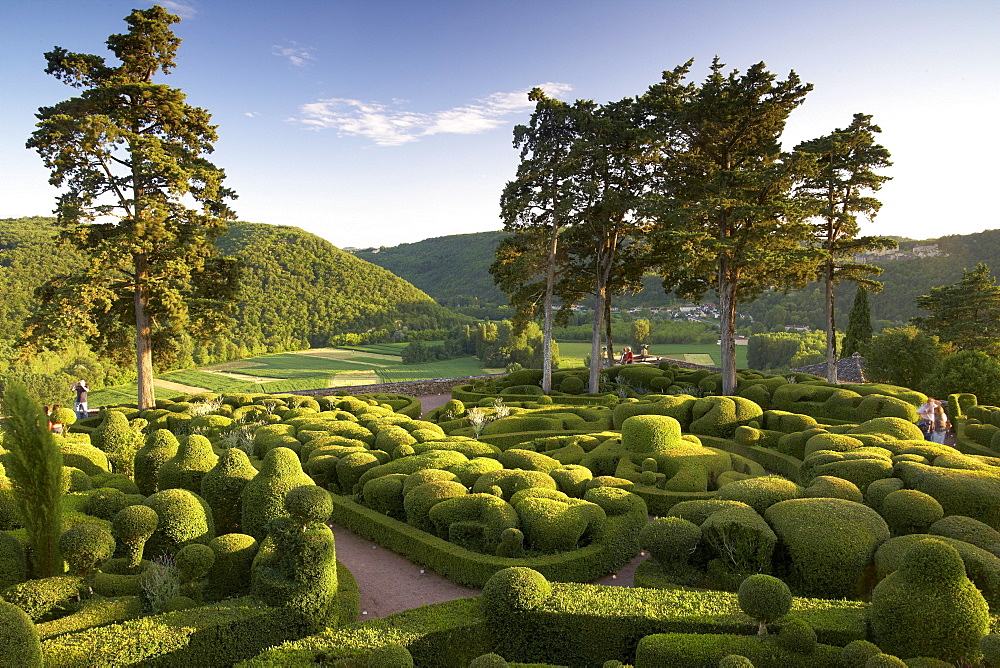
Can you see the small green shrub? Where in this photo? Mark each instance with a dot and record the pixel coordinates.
(19, 643)
(133, 525)
(85, 547)
(670, 540)
(263, 497)
(183, 517)
(929, 607)
(908, 511)
(392, 655)
(761, 493)
(222, 488)
(308, 503)
(234, 555)
(797, 636)
(186, 469)
(105, 502)
(46, 597)
(512, 591)
(764, 598)
(193, 561)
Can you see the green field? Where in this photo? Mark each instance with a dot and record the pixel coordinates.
(572, 353)
(305, 370)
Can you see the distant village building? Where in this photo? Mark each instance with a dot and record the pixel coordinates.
(798, 328)
(927, 251)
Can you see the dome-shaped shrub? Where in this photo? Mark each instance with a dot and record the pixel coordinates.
(764, 598)
(670, 540)
(392, 655)
(229, 575)
(828, 544)
(797, 636)
(133, 525)
(85, 457)
(186, 469)
(760, 493)
(418, 502)
(105, 502)
(118, 440)
(263, 497)
(308, 503)
(969, 530)
(13, 561)
(571, 385)
(857, 652)
(720, 416)
(736, 660)
(490, 660)
(511, 543)
(878, 490)
(881, 660)
(830, 487)
(222, 489)
(19, 643)
(929, 607)
(512, 591)
(650, 434)
(85, 547)
(194, 561)
(184, 518)
(908, 511)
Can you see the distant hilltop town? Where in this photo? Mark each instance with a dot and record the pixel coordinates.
(931, 250)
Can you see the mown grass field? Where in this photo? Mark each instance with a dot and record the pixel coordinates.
(303, 370)
(572, 353)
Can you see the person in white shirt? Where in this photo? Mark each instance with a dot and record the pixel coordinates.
(926, 413)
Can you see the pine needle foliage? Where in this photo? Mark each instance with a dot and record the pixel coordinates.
(34, 465)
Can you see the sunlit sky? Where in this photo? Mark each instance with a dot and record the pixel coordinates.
(379, 122)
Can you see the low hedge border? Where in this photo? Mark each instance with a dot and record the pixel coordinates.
(772, 460)
(219, 634)
(474, 569)
(213, 635)
(585, 624)
(416, 629)
(464, 393)
(689, 649)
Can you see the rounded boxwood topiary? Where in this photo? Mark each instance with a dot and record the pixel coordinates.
(105, 502)
(670, 540)
(184, 518)
(827, 544)
(308, 503)
(85, 547)
(418, 502)
(761, 493)
(41, 598)
(186, 469)
(735, 661)
(797, 636)
(234, 555)
(571, 385)
(263, 497)
(490, 660)
(765, 599)
(513, 590)
(650, 434)
(928, 607)
(133, 525)
(194, 561)
(19, 643)
(511, 543)
(878, 490)
(222, 488)
(908, 511)
(881, 660)
(13, 561)
(830, 487)
(857, 652)
(392, 655)
(118, 440)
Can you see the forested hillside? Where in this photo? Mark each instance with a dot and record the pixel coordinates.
(297, 289)
(454, 270)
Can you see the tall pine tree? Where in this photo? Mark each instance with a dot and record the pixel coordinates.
(130, 156)
(859, 324)
(966, 314)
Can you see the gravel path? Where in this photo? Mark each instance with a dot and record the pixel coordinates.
(389, 583)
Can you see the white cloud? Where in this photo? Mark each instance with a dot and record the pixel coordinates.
(251, 114)
(299, 56)
(183, 9)
(391, 125)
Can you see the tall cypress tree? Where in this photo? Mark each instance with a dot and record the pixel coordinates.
(859, 324)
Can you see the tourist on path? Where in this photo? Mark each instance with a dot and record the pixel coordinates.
(81, 399)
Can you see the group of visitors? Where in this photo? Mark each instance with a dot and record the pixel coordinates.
(55, 423)
(934, 421)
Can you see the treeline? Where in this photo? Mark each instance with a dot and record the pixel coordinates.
(497, 344)
(781, 351)
(660, 332)
(297, 291)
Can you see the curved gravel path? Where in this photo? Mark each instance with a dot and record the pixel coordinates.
(389, 583)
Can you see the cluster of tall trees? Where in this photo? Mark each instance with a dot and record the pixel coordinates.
(690, 180)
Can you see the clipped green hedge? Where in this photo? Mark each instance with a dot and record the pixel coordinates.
(616, 545)
(688, 650)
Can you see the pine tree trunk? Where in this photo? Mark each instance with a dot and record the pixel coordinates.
(595, 340)
(143, 336)
(831, 327)
(607, 330)
(550, 280)
(727, 322)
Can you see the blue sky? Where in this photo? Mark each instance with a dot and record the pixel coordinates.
(380, 122)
